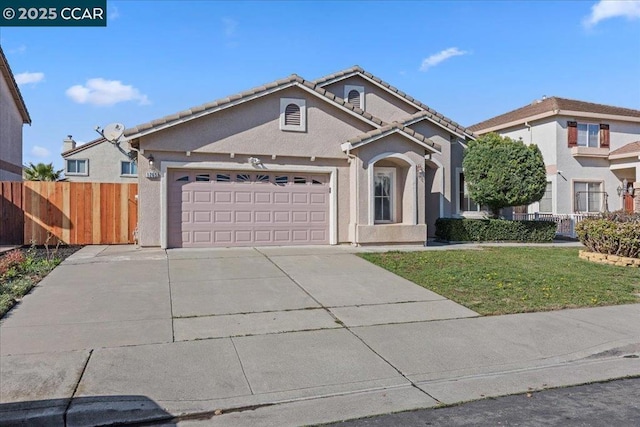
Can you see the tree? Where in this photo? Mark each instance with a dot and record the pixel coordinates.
(42, 172)
(501, 172)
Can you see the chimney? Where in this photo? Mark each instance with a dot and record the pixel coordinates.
(68, 144)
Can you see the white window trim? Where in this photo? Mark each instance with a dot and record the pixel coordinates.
(126, 174)
(302, 104)
(549, 181)
(66, 167)
(394, 194)
(267, 167)
(589, 181)
(588, 124)
(360, 89)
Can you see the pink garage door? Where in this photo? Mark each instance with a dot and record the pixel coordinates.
(224, 208)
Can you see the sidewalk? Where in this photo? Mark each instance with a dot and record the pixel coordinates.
(277, 336)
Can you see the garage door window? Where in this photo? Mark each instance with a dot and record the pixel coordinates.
(223, 177)
(299, 180)
(184, 178)
(262, 178)
(243, 177)
(282, 180)
(203, 177)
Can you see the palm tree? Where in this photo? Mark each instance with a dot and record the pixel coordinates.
(42, 172)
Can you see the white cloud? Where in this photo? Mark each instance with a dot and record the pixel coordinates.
(230, 26)
(40, 152)
(437, 58)
(28, 78)
(103, 92)
(606, 9)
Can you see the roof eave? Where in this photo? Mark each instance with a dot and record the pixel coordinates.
(351, 145)
(14, 89)
(435, 122)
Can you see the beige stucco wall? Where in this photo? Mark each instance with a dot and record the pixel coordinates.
(253, 129)
(104, 164)
(404, 230)
(10, 134)
(378, 102)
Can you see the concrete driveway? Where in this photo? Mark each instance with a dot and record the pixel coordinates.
(275, 336)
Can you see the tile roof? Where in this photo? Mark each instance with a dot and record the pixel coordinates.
(5, 70)
(427, 111)
(364, 137)
(630, 148)
(84, 146)
(210, 107)
(553, 105)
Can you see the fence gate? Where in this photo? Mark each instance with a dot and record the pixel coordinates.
(81, 213)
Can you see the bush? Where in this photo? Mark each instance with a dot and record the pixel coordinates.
(613, 233)
(479, 230)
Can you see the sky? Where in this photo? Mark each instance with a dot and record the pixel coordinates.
(469, 60)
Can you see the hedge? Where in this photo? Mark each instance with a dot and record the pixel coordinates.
(479, 230)
(615, 233)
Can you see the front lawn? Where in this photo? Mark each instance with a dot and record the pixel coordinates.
(503, 280)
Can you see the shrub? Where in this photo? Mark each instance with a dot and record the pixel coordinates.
(11, 262)
(613, 233)
(478, 230)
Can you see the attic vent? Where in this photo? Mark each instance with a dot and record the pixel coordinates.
(354, 98)
(292, 115)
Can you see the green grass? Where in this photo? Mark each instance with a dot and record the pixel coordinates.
(496, 281)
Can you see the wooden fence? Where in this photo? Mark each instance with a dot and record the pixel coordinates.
(72, 212)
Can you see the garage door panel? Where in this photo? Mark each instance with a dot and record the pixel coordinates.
(246, 209)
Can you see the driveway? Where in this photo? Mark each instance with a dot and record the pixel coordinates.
(119, 334)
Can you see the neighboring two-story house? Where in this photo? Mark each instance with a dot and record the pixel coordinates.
(97, 161)
(346, 158)
(591, 151)
(13, 115)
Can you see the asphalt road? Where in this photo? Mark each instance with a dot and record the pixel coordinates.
(615, 403)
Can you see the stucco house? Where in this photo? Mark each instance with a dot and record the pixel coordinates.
(591, 151)
(346, 158)
(13, 115)
(97, 161)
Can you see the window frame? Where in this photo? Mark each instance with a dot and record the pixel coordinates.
(360, 89)
(575, 203)
(460, 191)
(302, 104)
(392, 173)
(131, 163)
(549, 184)
(66, 167)
(588, 125)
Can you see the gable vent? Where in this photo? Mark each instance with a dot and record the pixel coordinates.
(354, 98)
(292, 115)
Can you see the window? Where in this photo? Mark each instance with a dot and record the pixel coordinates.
(282, 180)
(243, 177)
(184, 178)
(465, 202)
(354, 95)
(383, 194)
(262, 178)
(589, 197)
(77, 167)
(299, 180)
(293, 114)
(587, 135)
(203, 177)
(128, 168)
(546, 203)
(223, 177)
